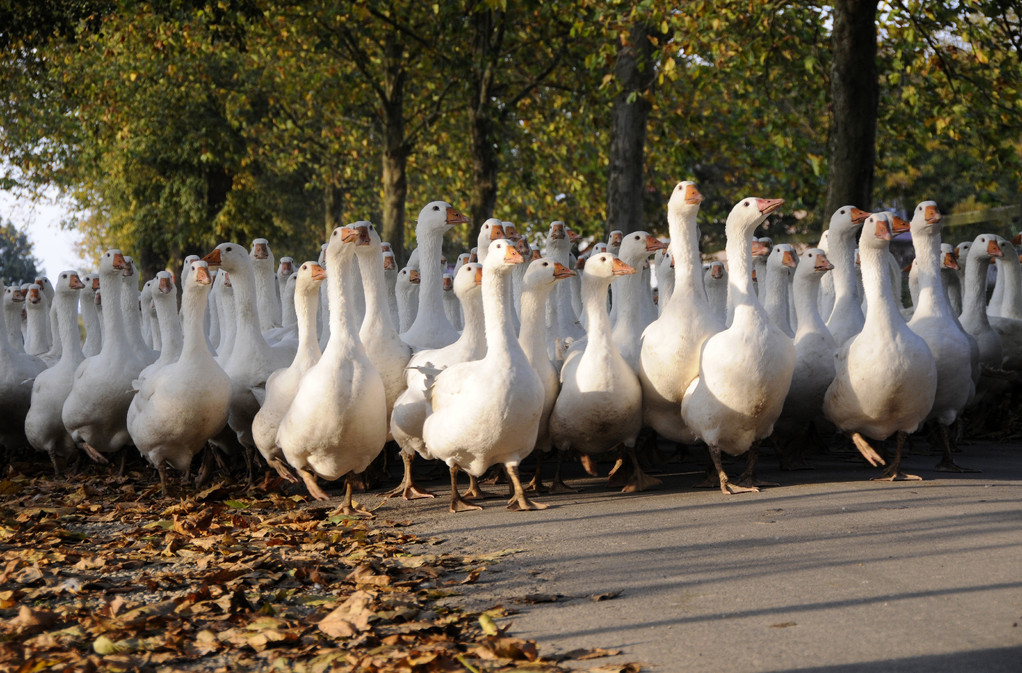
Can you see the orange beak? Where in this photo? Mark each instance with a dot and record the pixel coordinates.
(760, 249)
(479, 276)
(767, 206)
(510, 231)
(75, 282)
(388, 263)
(95, 284)
(363, 235)
(933, 215)
(448, 283)
(561, 271)
(557, 231)
(318, 272)
(496, 231)
(349, 234)
(534, 254)
(166, 286)
(899, 225)
(286, 268)
(993, 249)
(261, 251)
(473, 257)
(859, 216)
(33, 296)
(512, 256)
(653, 243)
(615, 238)
(213, 258)
(622, 269)
(414, 277)
(822, 263)
(202, 276)
(883, 229)
(119, 260)
(572, 236)
(950, 262)
(788, 259)
(692, 195)
(454, 217)
(716, 271)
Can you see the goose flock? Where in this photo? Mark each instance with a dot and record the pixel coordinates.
(514, 350)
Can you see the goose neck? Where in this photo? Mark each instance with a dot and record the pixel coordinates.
(373, 282)
(974, 298)
(842, 255)
(739, 280)
(684, 247)
(1011, 302)
(114, 335)
(246, 308)
(171, 334)
(933, 299)
(806, 291)
(496, 314)
(306, 306)
(343, 328)
(67, 326)
(431, 299)
(193, 311)
(876, 282)
(594, 302)
(533, 334)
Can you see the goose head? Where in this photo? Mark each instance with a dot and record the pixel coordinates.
(534, 253)
(502, 256)
(877, 231)
(261, 250)
(544, 273)
(761, 247)
(285, 268)
(948, 257)
(748, 214)
(511, 231)
(846, 220)
(68, 281)
(34, 295)
(607, 265)
(715, 271)
(343, 241)
(448, 282)
(13, 294)
(491, 230)
(309, 277)
(986, 247)
(439, 216)
(112, 264)
(462, 260)
(467, 280)
(637, 246)
(557, 234)
(389, 262)
(231, 257)
(814, 263)
(684, 201)
(198, 274)
(615, 239)
(926, 218)
(164, 282)
(368, 242)
(45, 286)
(782, 257)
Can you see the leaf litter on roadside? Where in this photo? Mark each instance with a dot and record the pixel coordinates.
(104, 574)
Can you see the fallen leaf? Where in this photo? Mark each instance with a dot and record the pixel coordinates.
(782, 625)
(605, 596)
(590, 653)
(538, 598)
(349, 618)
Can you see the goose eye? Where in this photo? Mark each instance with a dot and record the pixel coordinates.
(746, 204)
(227, 249)
(546, 264)
(436, 207)
(842, 211)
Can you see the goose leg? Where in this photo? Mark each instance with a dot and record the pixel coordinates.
(558, 485)
(408, 489)
(947, 463)
(726, 487)
(96, 456)
(535, 484)
(56, 466)
(518, 501)
(124, 458)
(459, 504)
(350, 507)
(282, 470)
(867, 451)
(162, 469)
(748, 477)
(894, 473)
(474, 492)
(639, 480)
(310, 483)
(205, 467)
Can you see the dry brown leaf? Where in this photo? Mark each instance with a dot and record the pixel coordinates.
(606, 596)
(351, 617)
(583, 654)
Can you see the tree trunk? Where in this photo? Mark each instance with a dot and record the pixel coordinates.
(854, 92)
(482, 131)
(635, 73)
(333, 208)
(395, 153)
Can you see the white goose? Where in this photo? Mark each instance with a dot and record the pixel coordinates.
(88, 302)
(185, 403)
(388, 353)
(17, 372)
(406, 288)
(775, 296)
(846, 318)
(43, 427)
(164, 296)
(285, 269)
(337, 423)
(715, 284)
(935, 321)
(96, 409)
(600, 403)
(664, 265)
(669, 359)
(974, 319)
(131, 312)
(431, 328)
(745, 371)
(390, 277)
(814, 353)
(885, 377)
(37, 335)
(1008, 322)
(267, 293)
(282, 384)
(630, 293)
(411, 408)
(488, 411)
(539, 280)
(14, 299)
(561, 322)
(251, 359)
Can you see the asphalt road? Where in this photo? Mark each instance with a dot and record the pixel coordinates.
(828, 572)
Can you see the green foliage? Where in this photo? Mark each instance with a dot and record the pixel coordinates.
(17, 263)
(177, 125)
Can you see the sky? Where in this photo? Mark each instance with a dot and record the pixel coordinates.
(55, 248)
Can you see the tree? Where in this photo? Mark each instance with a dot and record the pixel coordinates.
(854, 93)
(17, 263)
